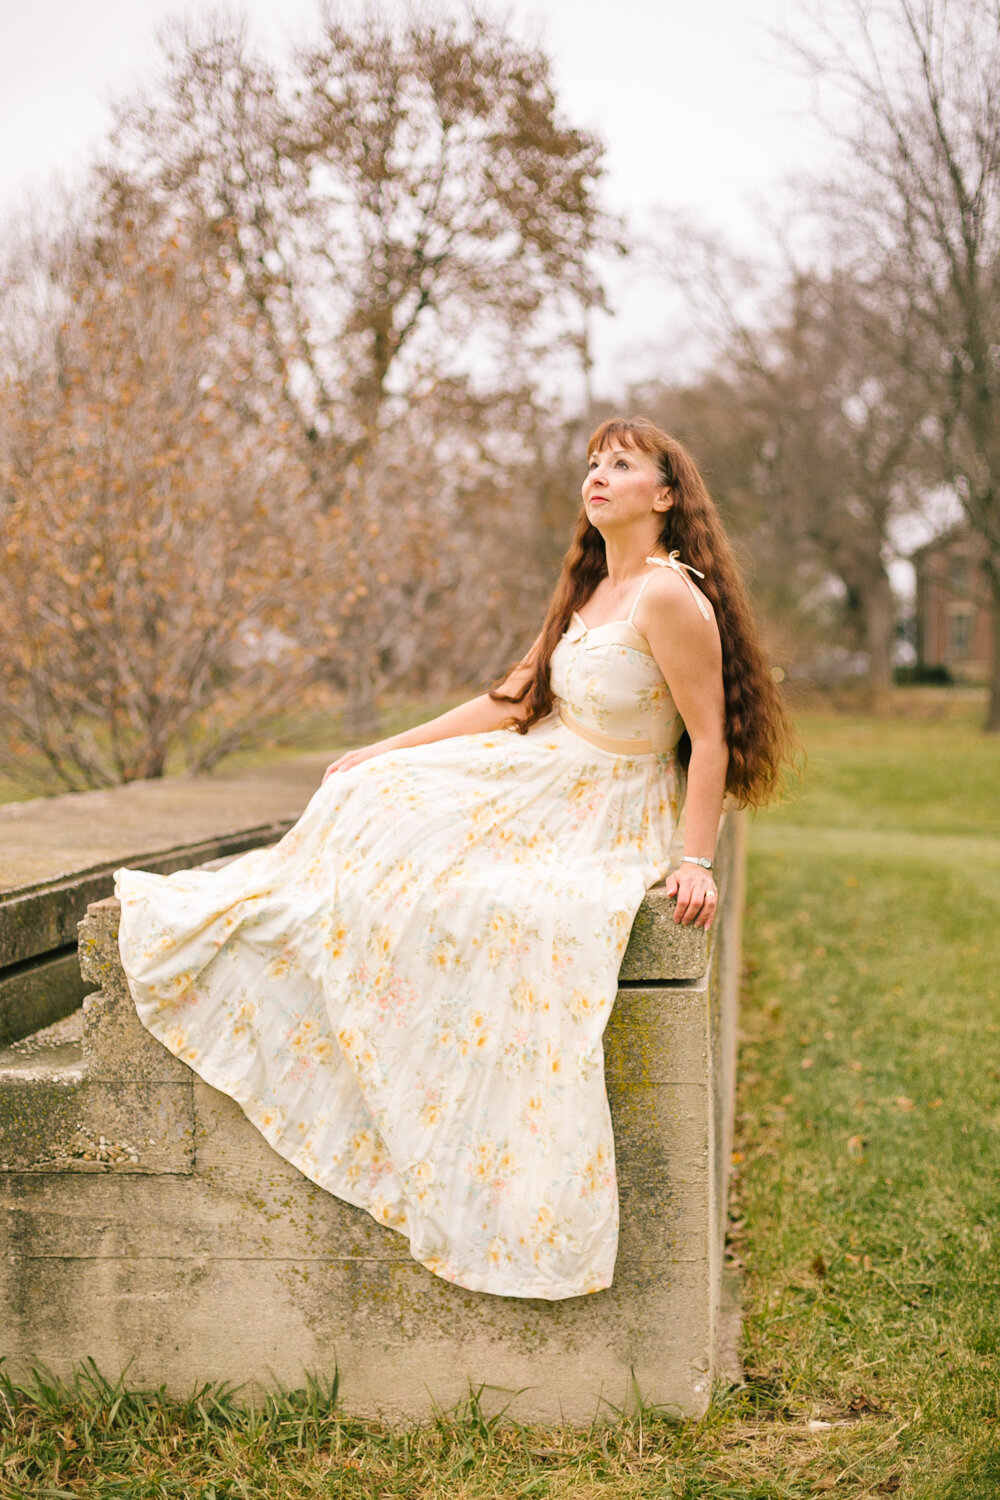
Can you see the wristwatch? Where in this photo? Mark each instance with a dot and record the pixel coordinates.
(696, 859)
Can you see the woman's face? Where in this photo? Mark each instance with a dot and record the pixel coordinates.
(622, 486)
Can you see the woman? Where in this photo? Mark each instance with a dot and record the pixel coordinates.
(407, 994)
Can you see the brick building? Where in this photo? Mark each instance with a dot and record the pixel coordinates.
(953, 606)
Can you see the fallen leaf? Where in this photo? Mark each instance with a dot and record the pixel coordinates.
(736, 1157)
(935, 1104)
(889, 1486)
(807, 1062)
(903, 1103)
(856, 1145)
(818, 1266)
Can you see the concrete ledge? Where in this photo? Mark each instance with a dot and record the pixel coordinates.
(174, 1217)
(59, 854)
(39, 991)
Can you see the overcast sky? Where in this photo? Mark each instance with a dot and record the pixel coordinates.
(694, 99)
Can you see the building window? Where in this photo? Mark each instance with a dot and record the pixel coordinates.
(958, 572)
(959, 632)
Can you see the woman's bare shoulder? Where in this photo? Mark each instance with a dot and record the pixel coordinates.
(670, 598)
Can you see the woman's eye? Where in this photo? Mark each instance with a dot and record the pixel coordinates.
(621, 464)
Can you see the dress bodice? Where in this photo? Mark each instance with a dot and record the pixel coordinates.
(608, 686)
(606, 681)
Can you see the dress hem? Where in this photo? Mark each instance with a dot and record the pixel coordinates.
(471, 1283)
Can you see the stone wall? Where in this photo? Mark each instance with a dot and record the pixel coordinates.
(146, 1222)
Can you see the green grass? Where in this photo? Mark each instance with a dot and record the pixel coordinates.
(866, 1207)
(869, 1185)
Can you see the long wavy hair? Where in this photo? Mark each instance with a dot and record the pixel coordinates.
(758, 732)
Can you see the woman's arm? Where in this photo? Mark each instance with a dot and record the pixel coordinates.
(476, 716)
(688, 652)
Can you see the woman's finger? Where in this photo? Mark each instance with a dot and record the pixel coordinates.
(695, 903)
(708, 909)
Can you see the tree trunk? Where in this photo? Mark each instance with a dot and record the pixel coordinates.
(359, 717)
(871, 619)
(992, 725)
(879, 632)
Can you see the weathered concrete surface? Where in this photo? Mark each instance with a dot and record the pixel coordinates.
(36, 993)
(57, 854)
(48, 838)
(159, 1259)
(659, 947)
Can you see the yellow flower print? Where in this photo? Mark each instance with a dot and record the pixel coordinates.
(387, 1213)
(595, 1172)
(527, 997)
(363, 1146)
(443, 955)
(496, 1251)
(178, 985)
(336, 940)
(482, 1161)
(582, 1005)
(422, 1182)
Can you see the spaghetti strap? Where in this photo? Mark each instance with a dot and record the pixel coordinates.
(684, 570)
(638, 596)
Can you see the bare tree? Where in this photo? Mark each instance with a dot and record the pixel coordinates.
(150, 571)
(918, 209)
(824, 380)
(392, 209)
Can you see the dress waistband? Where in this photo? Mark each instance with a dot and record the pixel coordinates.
(605, 741)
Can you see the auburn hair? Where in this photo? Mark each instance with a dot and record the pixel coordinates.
(757, 728)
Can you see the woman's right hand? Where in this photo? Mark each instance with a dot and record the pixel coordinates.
(355, 757)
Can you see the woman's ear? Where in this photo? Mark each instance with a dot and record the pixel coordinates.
(664, 500)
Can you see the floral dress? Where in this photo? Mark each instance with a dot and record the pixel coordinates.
(407, 994)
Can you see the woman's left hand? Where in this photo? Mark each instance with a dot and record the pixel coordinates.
(355, 757)
(697, 895)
